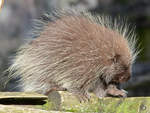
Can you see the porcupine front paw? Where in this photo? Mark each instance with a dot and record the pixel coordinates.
(114, 92)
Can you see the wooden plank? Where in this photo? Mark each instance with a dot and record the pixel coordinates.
(22, 98)
(105, 105)
(24, 95)
(20, 109)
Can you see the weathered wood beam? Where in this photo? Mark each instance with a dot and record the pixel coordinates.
(68, 103)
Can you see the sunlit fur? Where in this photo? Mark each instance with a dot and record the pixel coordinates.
(73, 51)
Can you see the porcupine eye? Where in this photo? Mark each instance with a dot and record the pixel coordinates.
(121, 69)
(127, 73)
(123, 75)
(115, 58)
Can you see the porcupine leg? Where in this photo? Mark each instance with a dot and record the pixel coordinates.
(56, 88)
(99, 89)
(81, 95)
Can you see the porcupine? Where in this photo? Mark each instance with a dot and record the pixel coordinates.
(78, 53)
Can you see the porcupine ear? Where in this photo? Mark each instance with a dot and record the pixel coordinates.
(115, 58)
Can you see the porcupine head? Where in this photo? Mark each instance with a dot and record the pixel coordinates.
(78, 53)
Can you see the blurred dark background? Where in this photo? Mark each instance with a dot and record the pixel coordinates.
(16, 22)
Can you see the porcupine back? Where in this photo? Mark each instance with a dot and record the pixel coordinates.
(71, 52)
